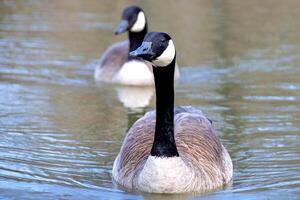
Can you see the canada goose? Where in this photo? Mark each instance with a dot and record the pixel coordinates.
(170, 150)
(116, 65)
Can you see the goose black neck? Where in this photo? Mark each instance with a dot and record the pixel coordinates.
(164, 141)
(136, 39)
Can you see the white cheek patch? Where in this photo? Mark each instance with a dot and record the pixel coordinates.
(140, 23)
(166, 57)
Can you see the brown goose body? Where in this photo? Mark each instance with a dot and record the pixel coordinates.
(114, 58)
(111, 61)
(197, 143)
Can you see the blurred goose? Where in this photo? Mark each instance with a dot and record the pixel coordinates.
(170, 150)
(116, 65)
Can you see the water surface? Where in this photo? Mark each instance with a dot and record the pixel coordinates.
(60, 131)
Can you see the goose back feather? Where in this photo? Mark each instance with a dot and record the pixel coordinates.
(111, 61)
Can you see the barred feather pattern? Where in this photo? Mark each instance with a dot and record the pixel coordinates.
(197, 143)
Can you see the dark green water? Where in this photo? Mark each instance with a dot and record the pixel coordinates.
(60, 131)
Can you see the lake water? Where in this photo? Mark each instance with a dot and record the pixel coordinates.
(60, 131)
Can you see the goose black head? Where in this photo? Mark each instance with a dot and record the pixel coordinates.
(133, 19)
(157, 48)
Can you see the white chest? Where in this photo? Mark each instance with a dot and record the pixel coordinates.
(134, 73)
(165, 175)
